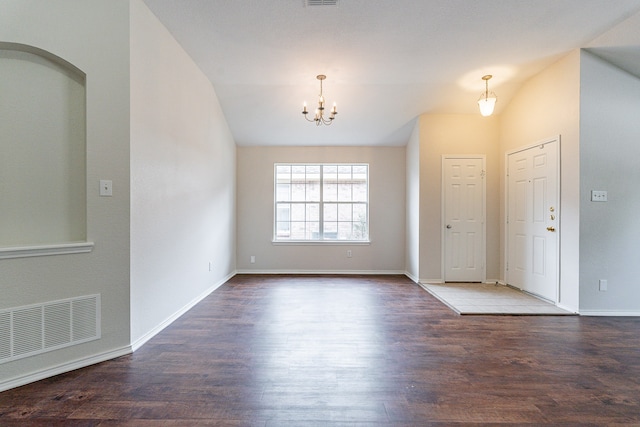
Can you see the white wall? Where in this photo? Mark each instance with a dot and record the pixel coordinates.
(609, 153)
(93, 36)
(455, 134)
(386, 212)
(548, 105)
(412, 250)
(182, 180)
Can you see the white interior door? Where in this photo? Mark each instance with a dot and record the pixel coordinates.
(463, 214)
(533, 219)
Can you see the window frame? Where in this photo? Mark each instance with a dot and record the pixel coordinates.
(321, 203)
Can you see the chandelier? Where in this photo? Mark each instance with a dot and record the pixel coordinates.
(319, 118)
(487, 99)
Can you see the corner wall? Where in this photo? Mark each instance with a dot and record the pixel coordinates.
(609, 153)
(547, 105)
(412, 250)
(182, 180)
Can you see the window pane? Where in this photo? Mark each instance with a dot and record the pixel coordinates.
(313, 230)
(298, 192)
(359, 212)
(283, 211)
(283, 230)
(359, 171)
(313, 183)
(329, 183)
(283, 170)
(344, 171)
(344, 230)
(344, 212)
(344, 192)
(297, 230)
(283, 192)
(297, 212)
(313, 212)
(330, 231)
(330, 212)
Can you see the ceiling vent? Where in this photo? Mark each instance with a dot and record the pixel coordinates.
(308, 3)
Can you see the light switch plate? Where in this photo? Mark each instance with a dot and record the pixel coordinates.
(106, 188)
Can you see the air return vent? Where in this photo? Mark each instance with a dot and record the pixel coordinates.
(34, 329)
(308, 3)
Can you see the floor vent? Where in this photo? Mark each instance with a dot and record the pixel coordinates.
(308, 3)
(34, 329)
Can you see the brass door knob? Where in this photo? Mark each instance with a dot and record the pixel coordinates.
(551, 229)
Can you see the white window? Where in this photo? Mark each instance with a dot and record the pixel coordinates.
(321, 202)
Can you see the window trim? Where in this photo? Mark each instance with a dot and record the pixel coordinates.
(338, 242)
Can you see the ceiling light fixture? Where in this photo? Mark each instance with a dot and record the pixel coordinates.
(319, 117)
(487, 100)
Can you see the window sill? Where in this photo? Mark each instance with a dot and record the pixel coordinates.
(322, 242)
(44, 250)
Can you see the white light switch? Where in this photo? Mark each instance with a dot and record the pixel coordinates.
(106, 188)
(598, 196)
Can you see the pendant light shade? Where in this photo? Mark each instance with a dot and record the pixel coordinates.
(487, 101)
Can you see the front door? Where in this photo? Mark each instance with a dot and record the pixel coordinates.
(533, 219)
(463, 214)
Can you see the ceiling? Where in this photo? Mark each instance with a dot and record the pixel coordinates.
(386, 61)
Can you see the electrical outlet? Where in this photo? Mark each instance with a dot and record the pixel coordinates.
(598, 196)
(603, 285)
(349, 253)
(210, 266)
(253, 259)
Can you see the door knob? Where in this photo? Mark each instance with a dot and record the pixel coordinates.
(551, 229)
(448, 225)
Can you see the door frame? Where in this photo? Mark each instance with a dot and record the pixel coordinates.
(544, 141)
(443, 221)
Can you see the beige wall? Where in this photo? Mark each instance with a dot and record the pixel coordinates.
(549, 105)
(455, 134)
(255, 208)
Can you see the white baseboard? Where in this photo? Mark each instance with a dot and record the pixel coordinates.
(64, 367)
(321, 272)
(433, 281)
(613, 313)
(169, 320)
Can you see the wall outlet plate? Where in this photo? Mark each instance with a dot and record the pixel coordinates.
(598, 196)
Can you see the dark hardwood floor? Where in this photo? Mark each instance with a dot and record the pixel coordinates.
(349, 351)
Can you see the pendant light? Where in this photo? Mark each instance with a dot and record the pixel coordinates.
(487, 101)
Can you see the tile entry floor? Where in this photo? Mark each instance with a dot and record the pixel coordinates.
(488, 298)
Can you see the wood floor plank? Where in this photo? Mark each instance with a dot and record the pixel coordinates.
(349, 351)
